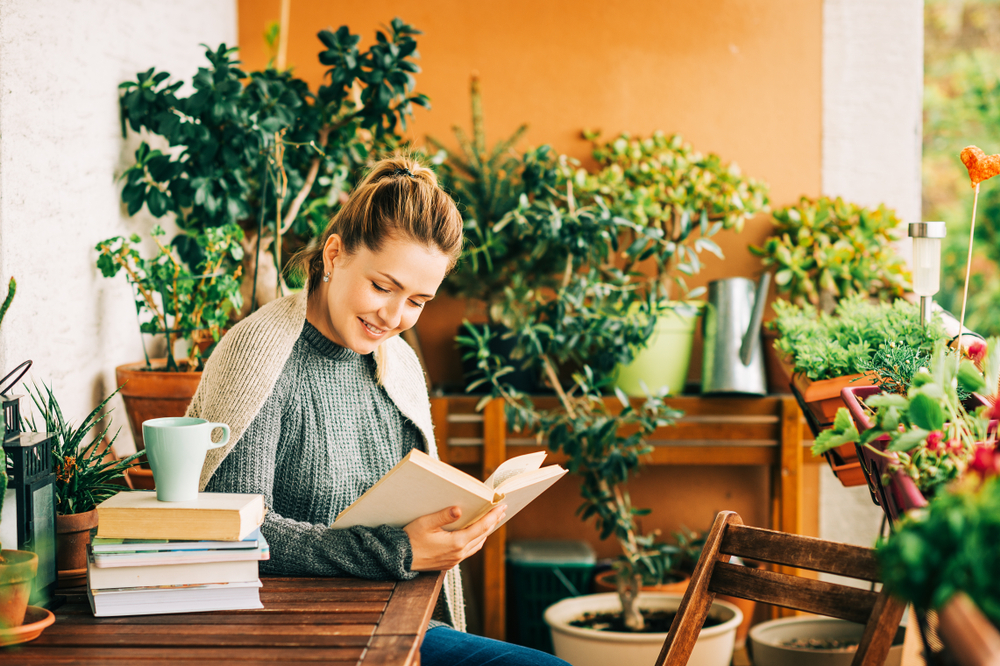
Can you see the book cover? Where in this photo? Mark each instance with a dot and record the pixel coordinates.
(175, 599)
(419, 485)
(168, 557)
(107, 545)
(198, 573)
(137, 514)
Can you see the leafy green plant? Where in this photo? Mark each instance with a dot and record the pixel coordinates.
(674, 194)
(581, 322)
(486, 183)
(824, 346)
(953, 545)
(929, 429)
(83, 476)
(228, 164)
(824, 249)
(177, 301)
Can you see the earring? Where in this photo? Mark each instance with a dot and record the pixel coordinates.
(326, 278)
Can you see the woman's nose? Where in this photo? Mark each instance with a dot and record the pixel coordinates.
(391, 313)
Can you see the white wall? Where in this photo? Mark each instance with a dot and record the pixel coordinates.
(61, 151)
(872, 103)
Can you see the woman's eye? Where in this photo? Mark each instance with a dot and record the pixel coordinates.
(416, 304)
(380, 289)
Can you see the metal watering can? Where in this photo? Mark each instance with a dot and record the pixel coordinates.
(733, 360)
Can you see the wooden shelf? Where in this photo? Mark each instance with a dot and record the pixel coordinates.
(713, 431)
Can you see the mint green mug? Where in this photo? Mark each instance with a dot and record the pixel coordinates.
(176, 448)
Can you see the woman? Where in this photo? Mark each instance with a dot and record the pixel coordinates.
(323, 398)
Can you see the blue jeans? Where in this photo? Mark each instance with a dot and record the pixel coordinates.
(443, 646)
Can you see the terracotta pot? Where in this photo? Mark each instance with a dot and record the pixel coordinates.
(153, 394)
(605, 582)
(16, 573)
(72, 537)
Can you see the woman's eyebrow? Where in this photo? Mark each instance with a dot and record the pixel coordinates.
(400, 286)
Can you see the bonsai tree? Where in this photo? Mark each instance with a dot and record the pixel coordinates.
(262, 150)
(175, 300)
(824, 249)
(580, 322)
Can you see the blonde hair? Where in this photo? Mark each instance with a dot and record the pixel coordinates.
(398, 198)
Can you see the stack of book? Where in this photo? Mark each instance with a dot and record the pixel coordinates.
(152, 557)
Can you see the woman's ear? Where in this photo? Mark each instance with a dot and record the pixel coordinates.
(333, 248)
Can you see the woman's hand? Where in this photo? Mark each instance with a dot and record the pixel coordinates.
(435, 549)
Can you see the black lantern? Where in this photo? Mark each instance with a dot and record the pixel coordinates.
(33, 481)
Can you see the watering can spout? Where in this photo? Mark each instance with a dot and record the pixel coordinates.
(752, 335)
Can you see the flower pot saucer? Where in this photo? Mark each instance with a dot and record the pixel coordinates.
(71, 578)
(35, 621)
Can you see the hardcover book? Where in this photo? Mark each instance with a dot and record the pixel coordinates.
(138, 514)
(419, 485)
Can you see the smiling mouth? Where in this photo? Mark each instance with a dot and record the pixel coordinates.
(371, 329)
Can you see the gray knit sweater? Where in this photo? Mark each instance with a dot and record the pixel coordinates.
(325, 435)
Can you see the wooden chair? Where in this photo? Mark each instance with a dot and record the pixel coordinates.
(713, 575)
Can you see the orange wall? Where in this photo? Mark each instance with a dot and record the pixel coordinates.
(742, 79)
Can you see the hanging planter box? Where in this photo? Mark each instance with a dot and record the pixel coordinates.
(902, 493)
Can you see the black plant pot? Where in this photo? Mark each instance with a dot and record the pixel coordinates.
(525, 381)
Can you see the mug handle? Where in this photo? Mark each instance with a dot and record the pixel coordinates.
(225, 436)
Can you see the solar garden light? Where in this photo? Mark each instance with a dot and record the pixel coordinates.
(926, 263)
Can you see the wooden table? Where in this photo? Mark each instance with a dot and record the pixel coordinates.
(304, 620)
(715, 430)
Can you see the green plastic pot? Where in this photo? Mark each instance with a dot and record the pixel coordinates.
(665, 359)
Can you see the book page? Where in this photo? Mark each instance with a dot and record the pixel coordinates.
(515, 467)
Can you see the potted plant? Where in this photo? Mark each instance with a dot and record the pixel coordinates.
(85, 477)
(262, 149)
(17, 567)
(825, 249)
(180, 303)
(486, 183)
(823, 353)
(920, 440)
(575, 324)
(668, 191)
(945, 557)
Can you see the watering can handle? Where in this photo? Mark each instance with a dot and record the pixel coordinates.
(752, 335)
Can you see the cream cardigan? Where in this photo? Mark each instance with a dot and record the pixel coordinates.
(241, 373)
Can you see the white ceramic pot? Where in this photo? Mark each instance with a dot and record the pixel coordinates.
(767, 642)
(589, 647)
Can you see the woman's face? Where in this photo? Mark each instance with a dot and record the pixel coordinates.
(373, 296)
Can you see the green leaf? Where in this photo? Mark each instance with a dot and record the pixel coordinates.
(969, 377)
(926, 413)
(909, 440)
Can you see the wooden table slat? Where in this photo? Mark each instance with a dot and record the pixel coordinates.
(408, 611)
(223, 617)
(139, 655)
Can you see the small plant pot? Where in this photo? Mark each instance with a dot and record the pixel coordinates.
(17, 571)
(72, 538)
(153, 394)
(590, 647)
(768, 642)
(605, 582)
(664, 361)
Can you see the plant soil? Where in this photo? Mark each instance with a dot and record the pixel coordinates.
(842, 645)
(657, 621)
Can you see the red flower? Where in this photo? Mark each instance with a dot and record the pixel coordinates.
(976, 351)
(985, 460)
(934, 441)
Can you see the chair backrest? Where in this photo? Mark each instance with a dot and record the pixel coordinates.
(713, 575)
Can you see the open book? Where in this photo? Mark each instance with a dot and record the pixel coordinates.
(419, 485)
